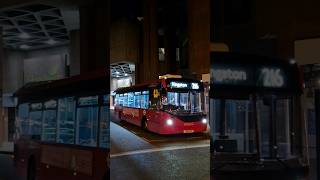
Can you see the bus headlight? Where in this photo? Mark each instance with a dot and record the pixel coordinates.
(204, 121)
(169, 122)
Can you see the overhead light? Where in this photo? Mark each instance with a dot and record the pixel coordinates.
(117, 72)
(292, 61)
(24, 46)
(132, 67)
(51, 42)
(125, 74)
(24, 36)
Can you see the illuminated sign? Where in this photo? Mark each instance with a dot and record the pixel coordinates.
(272, 77)
(222, 75)
(174, 84)
(195, 86)
(246, 73)
(265, 77)
(184, 85)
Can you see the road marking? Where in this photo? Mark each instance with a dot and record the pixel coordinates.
(144, 151)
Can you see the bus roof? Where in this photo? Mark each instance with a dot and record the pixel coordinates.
(158, 83)
(93, 82)
(138, 87)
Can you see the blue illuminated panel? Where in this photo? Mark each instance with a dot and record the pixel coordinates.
(104, 127)
(23, 119)
(87, 118)
(66, 120)
(35, 119)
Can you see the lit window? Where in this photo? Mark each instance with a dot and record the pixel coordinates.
(66, 120)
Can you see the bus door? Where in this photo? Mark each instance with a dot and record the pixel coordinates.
(153, 113)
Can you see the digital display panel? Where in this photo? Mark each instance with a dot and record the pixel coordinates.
(184, 85)
(230, 75)
(246, 73)
(264, 77)
(271, 77)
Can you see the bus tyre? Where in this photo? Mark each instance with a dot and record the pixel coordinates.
(105, 176)
(120, 116)
(31, 173)
(144, 124)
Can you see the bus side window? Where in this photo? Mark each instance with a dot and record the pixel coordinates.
(116, 100)
(49, 126)
(137, 99)
(87, 121)
(145, 100)
(125, 100)
(131, 99)
(22, 121)
(35, 121)
(66, 120)
(104, 124)
(121, 99)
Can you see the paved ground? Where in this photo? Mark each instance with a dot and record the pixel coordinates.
(7, 171)
(136, 154)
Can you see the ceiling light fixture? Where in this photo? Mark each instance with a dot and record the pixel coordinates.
(140, 18)
(51, 42)
(24, 46)
(24, 36)
(292, 61)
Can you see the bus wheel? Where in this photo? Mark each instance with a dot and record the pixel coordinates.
(120, 116)
(105, 176)
(144, 124)
(31, 169)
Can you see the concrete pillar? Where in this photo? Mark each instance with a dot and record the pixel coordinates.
(74, 52)
(199, 36)
(94, 35)
(3, 130)
(170, 37)
(124, 41)
(148, 68)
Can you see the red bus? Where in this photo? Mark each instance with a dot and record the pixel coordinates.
(62, 129)
(164, 106)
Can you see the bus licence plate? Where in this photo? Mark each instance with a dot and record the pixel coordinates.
(187, 131)
(188, 124)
